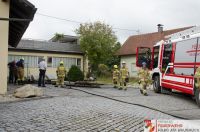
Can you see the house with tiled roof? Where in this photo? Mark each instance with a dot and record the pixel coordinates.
(127, 52)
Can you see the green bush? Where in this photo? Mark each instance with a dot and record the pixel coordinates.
(75, 74)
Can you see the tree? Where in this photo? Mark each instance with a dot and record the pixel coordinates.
(115, 59)
(58, 37)
(97, 40)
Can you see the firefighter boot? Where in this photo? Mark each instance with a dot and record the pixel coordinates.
(115, 84)
(125, 87)
(120, 88)
(145, 92)
(141, 91)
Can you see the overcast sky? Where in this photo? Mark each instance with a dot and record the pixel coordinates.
(127, 14)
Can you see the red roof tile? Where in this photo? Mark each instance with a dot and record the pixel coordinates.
(145, 40)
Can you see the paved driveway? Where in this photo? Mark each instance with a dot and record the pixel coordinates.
(175, 103)
(72, 110)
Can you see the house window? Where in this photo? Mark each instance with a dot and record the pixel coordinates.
(40, 59)
(56, 61)
(29, 61)
(49, 61)
(78, 63)
(68, 62)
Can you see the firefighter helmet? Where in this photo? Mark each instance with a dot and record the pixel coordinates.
(123, 62)
(61, 62)
(115, 66)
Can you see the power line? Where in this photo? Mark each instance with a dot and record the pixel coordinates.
(78, 22)
(58, 18)
(138, 31)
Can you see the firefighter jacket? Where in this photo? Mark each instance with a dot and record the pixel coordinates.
(144, 76)
(124, 73)
(61, 71)
(116, 74)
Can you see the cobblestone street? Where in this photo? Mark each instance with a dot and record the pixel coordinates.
(175, 103)
(72, 110)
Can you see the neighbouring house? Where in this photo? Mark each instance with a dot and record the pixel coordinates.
(33, 51)
(127, 52)
(15, 16)
(66, 39)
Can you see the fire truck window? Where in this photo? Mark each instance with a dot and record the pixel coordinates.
(144, 56)
(170, 70)
(185, 56)
(167, 56)
(184, 71)
(155, 57)
(185, 51)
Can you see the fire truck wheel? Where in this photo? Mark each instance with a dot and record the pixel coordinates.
(156, 84)
(197, 96)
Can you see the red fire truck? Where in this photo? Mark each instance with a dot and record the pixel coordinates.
(173, 62)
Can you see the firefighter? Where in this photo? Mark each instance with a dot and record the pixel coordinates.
(11, 66)
(20, 71)
(61, 72)
(124, 76)
(144, 78)
(116, 76)
(197, 78)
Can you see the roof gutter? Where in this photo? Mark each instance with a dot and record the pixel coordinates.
(44, 51)
(127, 54)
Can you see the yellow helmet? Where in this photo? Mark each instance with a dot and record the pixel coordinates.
(61, 63)
(115, 66)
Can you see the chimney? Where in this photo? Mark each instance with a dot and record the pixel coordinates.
(160, 28)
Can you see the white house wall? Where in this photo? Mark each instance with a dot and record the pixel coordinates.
(131, 64)
(4, 12)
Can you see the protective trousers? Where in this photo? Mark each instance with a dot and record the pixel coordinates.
(123, 83)
(60, 80)
(143, 88)
(116, 82)
(20, 72)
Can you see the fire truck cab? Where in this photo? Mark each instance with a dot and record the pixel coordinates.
(173, 62)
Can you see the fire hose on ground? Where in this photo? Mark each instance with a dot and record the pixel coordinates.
(106, 97)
